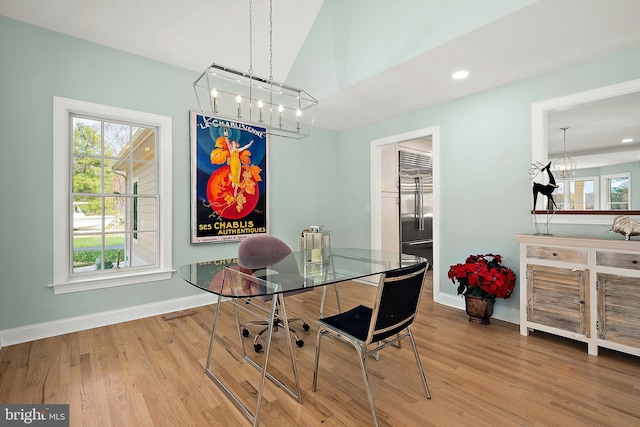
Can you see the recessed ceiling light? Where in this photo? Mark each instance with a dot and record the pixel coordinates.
(459, 75)
(627, 140)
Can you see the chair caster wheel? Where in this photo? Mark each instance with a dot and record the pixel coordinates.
(257, 348)
(299, 343)
(245, 333)
(305, 327)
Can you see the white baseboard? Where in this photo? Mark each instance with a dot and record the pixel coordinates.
(449, 300)
(80, 323)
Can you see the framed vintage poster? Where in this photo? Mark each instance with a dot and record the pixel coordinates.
(229, 194)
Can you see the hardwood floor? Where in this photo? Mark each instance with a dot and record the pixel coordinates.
(150, 372)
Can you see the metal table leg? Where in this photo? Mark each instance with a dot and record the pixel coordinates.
(254, 417)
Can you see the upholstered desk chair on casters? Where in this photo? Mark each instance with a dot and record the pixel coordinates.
(388, 322)
(258, 253)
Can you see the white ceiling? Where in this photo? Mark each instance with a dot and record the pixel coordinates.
(186, 33)
(544, 36)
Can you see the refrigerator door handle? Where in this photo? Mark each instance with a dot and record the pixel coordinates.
(416, 202)
(419, 204)
(420, 242)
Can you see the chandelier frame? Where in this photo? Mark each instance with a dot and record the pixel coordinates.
(228, 93)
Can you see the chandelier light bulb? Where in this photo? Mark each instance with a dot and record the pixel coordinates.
(260, 105)
(281, 110)
(239, 101)
(214, 95)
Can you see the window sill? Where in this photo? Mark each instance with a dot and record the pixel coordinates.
(87, 284)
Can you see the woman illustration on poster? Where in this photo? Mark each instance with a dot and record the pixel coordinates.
(234, 162)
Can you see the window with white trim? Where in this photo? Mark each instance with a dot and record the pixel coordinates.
(112, 196)
(616, 190)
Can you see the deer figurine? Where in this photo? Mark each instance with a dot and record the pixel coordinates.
(544, 189)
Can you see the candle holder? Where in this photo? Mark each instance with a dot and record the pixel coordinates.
(315, 244)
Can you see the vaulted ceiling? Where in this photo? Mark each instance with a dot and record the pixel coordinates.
(365, 60)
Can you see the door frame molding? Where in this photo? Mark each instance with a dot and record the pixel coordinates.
(375, 151)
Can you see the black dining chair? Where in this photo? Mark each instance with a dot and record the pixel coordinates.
(387, 323)
(269, 257)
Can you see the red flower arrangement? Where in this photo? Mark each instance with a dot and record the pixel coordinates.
(483, 276)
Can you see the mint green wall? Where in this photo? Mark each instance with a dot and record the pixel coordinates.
(485, 154)
(36, 65)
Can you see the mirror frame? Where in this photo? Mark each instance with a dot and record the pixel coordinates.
(540, 153)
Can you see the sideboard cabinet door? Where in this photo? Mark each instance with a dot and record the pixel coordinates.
(619, 309)
(558, 297)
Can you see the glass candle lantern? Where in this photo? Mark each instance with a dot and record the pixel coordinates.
(316, 246)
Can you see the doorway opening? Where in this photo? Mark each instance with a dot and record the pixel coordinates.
(386, 209)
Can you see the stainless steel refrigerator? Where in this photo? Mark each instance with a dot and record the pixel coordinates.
(416, 204)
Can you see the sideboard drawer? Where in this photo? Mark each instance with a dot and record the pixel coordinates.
(572, 255)
(618, 260)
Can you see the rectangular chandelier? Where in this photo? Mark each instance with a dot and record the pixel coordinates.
(282, 110)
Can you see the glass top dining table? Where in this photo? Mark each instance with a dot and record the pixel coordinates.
(261, 277)
(235, 279)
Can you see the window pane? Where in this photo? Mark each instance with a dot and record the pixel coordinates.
(144, 249)
(115, 178)
(619, 193)
(120, 168)
(86, 249)
(145, 174)
(127, 214)
(147, 213)
(88, 214)
(144, 144)
(116, 139)
(114, 181)
(581, 195)
(115, 251)
(87, 137)
(113, 207)
(86, 175)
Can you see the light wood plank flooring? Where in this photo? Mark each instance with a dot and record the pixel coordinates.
(150, 372)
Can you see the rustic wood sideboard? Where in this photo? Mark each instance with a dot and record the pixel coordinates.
(581, 288)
